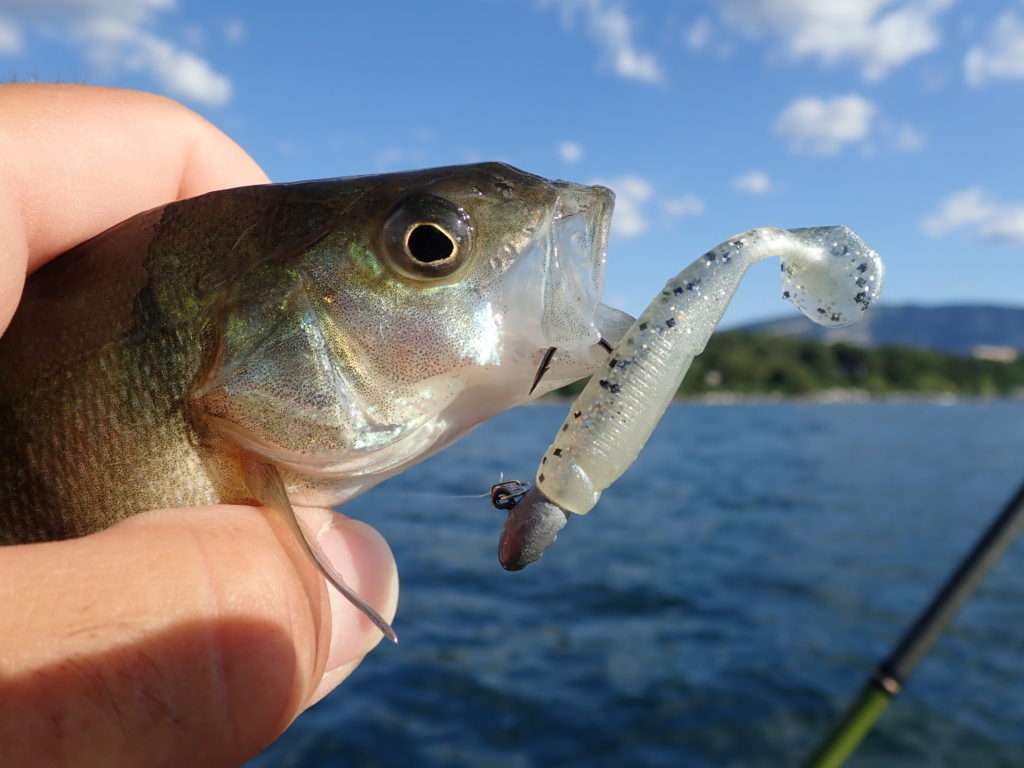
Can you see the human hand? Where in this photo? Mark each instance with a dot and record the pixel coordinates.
(178, 636)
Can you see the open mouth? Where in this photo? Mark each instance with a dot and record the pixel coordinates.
(574, 317)
(576, 254)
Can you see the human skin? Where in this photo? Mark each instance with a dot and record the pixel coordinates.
(179, 636)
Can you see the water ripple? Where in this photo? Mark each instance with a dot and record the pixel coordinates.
(719, 607)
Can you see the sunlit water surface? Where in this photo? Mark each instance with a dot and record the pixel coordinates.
(719, 606)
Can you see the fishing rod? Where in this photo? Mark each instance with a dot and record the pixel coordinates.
(891, 675)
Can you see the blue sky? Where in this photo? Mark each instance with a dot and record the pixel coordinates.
(901, 118)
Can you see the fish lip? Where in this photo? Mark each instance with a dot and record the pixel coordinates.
(594, 205)
(597, 203)
(576, 355)
(603, 221)
(599, 220)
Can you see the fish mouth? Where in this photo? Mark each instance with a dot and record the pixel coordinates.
(591, 206)
(579, 245)
(576, 331)
(581, 227)
(552, 292)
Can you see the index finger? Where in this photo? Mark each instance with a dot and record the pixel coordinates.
(75, 160)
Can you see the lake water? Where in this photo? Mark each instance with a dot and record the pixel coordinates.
(719, 607)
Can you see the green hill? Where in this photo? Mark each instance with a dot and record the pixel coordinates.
(951, 328)
(746, 364)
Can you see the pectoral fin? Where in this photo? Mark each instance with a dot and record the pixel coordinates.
(264, 482)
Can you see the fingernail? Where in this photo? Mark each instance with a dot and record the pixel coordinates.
(364, 559)
(331, 680)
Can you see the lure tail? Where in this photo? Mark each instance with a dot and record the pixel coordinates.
(265, 483)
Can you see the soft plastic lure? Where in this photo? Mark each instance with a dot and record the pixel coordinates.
(829, 273)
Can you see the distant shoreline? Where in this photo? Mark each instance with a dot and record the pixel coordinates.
(828, 397)
(740, 367)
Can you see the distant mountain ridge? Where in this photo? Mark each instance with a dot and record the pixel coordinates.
(953, 329)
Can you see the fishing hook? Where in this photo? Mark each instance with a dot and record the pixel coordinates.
(545, 362)
(505, 495)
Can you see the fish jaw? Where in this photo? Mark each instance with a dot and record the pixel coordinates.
(552, 291)
(553, 298)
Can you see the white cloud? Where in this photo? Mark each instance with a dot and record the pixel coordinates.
(959, 209)
(117, 35)
(681, 207)
(877, 35)
(699, 33)
(973, 208)
(825, 126)
(754, 183)
(1007, 225)
(906, 138)
(116, 44)
(235, 31)
(1002, 55)
(570, 152)
(632, 194)
(612, 29)
(10, 37)
(130, 11)
(183, 73)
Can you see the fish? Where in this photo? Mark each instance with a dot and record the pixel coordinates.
(829, 273)
(292, 344)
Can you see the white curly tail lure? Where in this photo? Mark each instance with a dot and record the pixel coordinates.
(829, 274)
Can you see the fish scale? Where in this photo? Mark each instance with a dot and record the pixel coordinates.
(85, 457)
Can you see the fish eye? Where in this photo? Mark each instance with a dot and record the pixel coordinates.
(426, 236)
(428, 243)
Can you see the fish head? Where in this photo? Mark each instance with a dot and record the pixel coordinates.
(471, 271)
(425, 307)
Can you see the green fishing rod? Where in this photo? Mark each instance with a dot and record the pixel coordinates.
(891, 675)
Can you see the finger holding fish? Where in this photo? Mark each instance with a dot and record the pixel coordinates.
(181, 633)
(66, 177)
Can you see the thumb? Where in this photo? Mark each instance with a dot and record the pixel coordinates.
(179, 635)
